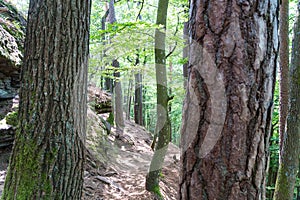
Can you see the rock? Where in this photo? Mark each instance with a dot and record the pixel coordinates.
(7, 134)
(12, 34)
(99, 99)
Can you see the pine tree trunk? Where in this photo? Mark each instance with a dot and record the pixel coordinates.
(163, 122)
(289, 164)
(228, 107)
(48, 155)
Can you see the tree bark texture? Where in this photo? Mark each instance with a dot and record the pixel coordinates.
(284, 70)
(228, 107)
(47, 161)
(289, 164)
(163, 128)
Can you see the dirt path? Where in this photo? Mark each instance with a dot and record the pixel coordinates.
(127, 164)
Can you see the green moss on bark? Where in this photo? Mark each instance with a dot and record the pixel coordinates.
(30, 171)
(282, 189)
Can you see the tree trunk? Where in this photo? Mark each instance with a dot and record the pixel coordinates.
(138, 94)
(48, 155)
(108, 82)
(228, 107)
(129, 97)
(185, 53)
(138, 99)
(284, 70)
(289, 164)
(118, 96)
(163, 121)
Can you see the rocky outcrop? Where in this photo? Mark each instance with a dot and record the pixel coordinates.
(99, 100)
(12, 34)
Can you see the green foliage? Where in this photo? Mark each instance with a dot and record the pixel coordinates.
(110, 118)
(21, 5)
(133, 37)
(156, 191)
(26, 163)
(12, 119)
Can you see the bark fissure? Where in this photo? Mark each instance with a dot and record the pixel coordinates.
(48, 155)
(233, 48)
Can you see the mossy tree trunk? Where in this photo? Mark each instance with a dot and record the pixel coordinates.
(163, 128)
(228, 106)
(289, 164)
(47, 161)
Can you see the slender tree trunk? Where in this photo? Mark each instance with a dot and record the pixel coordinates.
(284, 70)
(170, 96)
(106, 83)
(118, 96)
(138, 99)
(228, 107)
(109, 83)
(138, 94)
(163, 121)
(129, 97)
(289, 164)
(272, 168)
(185, 52)
(47, 161)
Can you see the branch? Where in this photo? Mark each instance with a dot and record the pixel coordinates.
(176, 30)
(104, 19)
(170, 53)
(139, 14)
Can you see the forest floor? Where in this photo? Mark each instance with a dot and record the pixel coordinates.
(117, 164)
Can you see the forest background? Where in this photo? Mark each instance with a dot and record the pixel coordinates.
(131, 42)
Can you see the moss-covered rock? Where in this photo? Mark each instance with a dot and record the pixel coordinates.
(12, 33)
(13, 22)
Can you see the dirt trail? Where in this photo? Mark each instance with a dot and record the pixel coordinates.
(126, 162)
